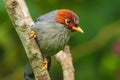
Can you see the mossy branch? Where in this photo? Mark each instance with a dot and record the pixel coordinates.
(22, 21)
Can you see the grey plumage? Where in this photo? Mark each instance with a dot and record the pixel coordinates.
(28, 75)
(51, 37)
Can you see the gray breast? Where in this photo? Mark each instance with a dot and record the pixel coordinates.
(51, 36)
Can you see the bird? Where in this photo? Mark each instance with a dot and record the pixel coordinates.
(52, 32)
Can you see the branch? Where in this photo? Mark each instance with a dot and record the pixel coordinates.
(22, 21)
(65, 59)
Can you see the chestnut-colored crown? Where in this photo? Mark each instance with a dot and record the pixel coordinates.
(67, 14)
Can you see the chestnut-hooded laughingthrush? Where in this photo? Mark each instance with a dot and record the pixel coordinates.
(52, 33)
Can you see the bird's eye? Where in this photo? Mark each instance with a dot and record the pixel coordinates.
(67, 21)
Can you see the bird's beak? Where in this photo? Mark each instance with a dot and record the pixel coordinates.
(78, 29)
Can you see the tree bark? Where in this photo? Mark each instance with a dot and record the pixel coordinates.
(65, 59)
(22, 21)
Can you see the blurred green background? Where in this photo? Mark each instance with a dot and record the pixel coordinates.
(95, 53)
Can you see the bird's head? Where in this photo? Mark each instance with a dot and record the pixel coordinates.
(69, 19)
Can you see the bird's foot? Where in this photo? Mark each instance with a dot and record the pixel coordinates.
(45, 64)
(32, 34)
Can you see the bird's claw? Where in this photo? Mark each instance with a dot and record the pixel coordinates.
(32, 34)
(45, 64)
